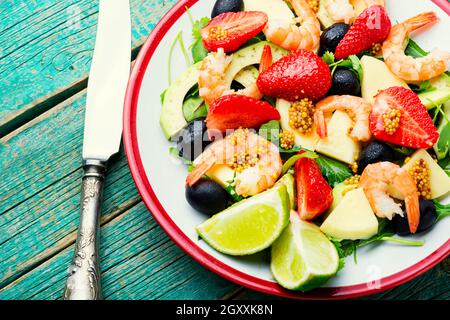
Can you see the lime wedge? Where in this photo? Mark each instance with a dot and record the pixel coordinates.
(302, 257)
(249, 226)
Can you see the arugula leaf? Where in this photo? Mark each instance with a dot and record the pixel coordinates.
(424, 86)
(414, 50)
(443, 144)
(334, 171)
(356, 65)
(194, 108)
(163, 95)
(198, 25)
(256, 39)
(292, 160)
(445, 164)
(198, 51)
(352, 62)
(402, 150)
(328, 57)
(270, 131)
(232, 191)
(385, 233)
(442, 210)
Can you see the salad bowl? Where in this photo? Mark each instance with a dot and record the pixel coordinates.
(160, 178)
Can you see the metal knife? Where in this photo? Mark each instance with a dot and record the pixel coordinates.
(107, 84)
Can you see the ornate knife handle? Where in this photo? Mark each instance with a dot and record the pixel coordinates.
(83, 282)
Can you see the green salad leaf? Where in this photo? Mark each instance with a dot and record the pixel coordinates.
(414, 50)
(163, 95)
(385, 233)
(334, 171)
(442, 210)
(445, 164)
(198, 51)
(443, 144)
(270, 131)
(198, 25)
(194, 108)
(352, 62)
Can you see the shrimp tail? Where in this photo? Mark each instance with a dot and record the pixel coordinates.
(266, 58)
(320, 123)
(421, 20)
(198, 172)
(413, 212)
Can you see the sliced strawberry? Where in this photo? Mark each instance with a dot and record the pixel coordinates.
(314, 195)
(266, 58)
(415, 129)
(230, 30)
(370, 27)
(235, 111)
(301, 74)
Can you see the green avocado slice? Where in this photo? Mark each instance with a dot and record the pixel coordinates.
(172, 119)
(439, 95)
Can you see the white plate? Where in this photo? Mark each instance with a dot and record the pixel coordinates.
(160, 179)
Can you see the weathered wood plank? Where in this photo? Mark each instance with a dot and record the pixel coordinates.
(138, 261)
(46, 49)
(40, 194)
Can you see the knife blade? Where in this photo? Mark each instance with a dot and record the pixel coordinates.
(107, 84)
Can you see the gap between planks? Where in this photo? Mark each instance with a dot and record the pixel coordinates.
(38, 108)
(67, 242)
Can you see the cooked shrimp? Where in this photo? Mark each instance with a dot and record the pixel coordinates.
(340, 10)
(375, 180)
(256, 160)
(357, 108)
(409, 68)
(211, 80)
(288, 35)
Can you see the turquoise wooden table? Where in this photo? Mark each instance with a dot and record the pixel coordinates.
(45, 52)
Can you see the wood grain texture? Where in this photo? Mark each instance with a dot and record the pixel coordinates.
(39, 216)
(46, 49)
(138, 261)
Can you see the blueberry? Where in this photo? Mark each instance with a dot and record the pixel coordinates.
(193, 139)
(345, 81)
(222, 6)
(207, 197)
(375, 151)
(427, 219)
(331, 37)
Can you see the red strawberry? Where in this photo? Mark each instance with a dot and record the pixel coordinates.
(234, 111)
(301, 74)
(230, 30)
(415, 129)
(314, 195)
(370, 27)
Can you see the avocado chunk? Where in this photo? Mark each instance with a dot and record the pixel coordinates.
(172, 118)
(439, 95)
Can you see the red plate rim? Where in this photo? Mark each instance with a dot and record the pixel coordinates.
(164, 220)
